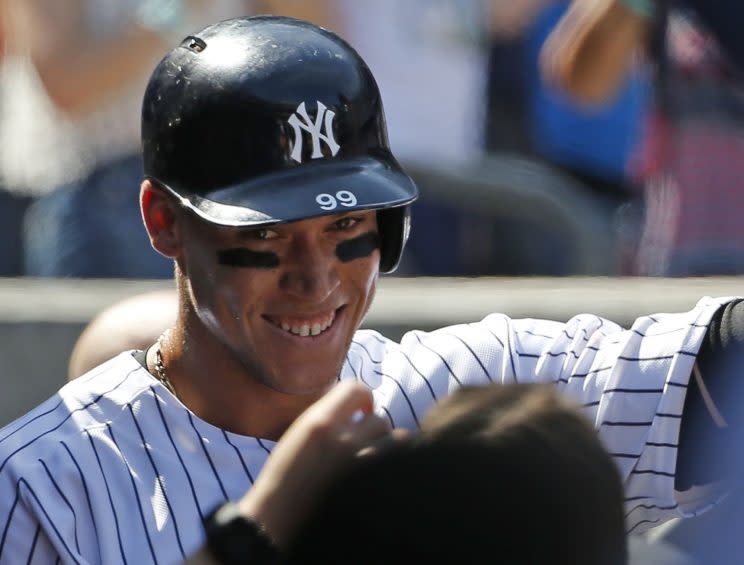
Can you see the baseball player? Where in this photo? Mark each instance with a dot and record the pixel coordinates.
(271, 185)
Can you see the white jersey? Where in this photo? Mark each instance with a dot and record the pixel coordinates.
(114, 469)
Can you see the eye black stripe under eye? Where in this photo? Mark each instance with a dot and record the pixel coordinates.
(241, 257)
(358, 247)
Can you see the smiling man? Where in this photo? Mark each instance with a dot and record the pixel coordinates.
(270, 183)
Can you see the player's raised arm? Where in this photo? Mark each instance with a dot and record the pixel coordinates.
(632, 384)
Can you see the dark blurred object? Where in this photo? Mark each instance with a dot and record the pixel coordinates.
(12, 209)
(93, 228)
(507, 215)
(724, 19)
(506, 124)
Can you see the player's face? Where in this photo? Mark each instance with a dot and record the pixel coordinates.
(287, 299)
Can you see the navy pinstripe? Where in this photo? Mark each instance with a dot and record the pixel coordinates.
(159, 479)
(46, 515)
(178, 454)
(131, 474)
(33, 545)
(444, 361)
(85, 486)
(240, 457)
(206, 454)
(110, 498)
(67, 502)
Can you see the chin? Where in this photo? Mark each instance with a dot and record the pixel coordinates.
(302, 385)
(301, 388)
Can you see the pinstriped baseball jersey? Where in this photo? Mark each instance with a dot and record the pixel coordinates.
(114, 469)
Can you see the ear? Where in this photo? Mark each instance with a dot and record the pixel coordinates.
(159, 214)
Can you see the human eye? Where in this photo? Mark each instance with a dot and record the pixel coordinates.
(261, 234)
(347, 223)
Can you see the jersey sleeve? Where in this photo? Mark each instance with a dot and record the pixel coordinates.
(631, 383)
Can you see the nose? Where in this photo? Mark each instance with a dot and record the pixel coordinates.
(310, 270)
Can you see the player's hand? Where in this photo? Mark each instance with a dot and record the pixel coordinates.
(310, 454)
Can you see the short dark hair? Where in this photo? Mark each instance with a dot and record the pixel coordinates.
(509, 474)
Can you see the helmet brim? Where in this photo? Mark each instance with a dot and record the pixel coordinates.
(312, 190)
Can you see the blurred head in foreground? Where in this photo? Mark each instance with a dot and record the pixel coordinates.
(508, 474)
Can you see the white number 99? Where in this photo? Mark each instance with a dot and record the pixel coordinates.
(326, 201)
(329, 202)
(346, 198)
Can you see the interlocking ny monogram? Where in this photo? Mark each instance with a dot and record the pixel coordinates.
(323, 120)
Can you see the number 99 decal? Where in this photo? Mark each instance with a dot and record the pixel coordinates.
(329, 202)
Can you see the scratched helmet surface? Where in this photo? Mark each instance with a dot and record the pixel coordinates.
(263, 120)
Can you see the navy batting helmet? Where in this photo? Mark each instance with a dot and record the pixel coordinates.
(263, 120)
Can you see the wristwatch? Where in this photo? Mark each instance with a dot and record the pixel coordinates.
(233, 539)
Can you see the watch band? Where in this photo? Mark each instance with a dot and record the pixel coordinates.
(233, 539)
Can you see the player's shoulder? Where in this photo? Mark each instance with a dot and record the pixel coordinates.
(371, 343)
(93, 400)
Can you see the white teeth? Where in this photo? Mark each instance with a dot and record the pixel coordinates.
(328, 323)
(305, 330)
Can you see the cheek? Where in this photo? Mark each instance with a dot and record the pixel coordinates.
(222, 295)
(363, 274)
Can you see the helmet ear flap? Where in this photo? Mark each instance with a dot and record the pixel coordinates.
(394, 226)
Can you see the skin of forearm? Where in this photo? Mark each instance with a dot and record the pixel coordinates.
(78, 70)
(591, 49)
(80, 81)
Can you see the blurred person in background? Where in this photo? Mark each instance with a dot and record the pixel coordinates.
(692, 158)
(72, 86)
(70, 122)
(428, 58)
(15, 195)
(527, 115)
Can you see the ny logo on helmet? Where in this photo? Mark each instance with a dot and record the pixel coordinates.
(323, 121)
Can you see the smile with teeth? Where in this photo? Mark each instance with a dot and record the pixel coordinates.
(305, 328)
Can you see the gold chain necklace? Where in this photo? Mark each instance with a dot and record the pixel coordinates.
(160, 371)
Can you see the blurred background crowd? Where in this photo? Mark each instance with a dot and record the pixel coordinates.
(519, 177)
